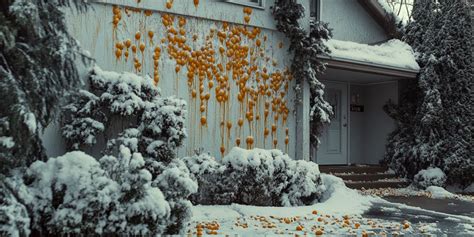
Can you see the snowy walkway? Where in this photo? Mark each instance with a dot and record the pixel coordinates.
(449, 206)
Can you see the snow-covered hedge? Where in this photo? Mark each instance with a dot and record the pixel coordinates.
(154, 128)
(430, 177)
(256, 177)
(76, 194)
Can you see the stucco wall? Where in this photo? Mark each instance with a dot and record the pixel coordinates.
(265, 68)
(351, 22)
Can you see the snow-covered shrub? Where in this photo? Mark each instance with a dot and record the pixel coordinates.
(255, 177)
(69, 194)
(430, 177)
(143, 207)
(14, 219)
(213, 188)
(175, 182)
(76, 194)
(153, 126)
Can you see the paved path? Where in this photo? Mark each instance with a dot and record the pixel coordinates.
(449, 206)
(450, 217)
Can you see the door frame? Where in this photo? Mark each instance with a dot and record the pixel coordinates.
(348, 128)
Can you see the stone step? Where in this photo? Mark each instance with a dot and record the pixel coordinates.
(377, 184)
(364, 169)
(366, 177)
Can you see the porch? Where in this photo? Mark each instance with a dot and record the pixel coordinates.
(358, 91)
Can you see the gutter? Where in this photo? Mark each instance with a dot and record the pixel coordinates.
(373, 68)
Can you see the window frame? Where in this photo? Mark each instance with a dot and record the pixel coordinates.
(260, 5)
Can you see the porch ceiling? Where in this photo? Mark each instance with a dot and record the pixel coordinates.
(363, 73)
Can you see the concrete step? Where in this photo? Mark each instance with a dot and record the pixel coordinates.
(366, 177)
(377, 184)
(356, 169)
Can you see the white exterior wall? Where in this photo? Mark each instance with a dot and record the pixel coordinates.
(370, 129)
(95, 31)
(351, 22)
(378, 124)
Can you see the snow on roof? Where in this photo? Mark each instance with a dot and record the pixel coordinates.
(393, 53)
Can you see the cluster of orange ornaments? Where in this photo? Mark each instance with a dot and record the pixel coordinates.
(229, 63)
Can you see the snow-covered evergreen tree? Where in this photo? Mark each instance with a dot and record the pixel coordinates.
(37, 68)
(435, 116)
(153, 127)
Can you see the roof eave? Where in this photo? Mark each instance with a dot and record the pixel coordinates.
(385, 20)
(374, 68)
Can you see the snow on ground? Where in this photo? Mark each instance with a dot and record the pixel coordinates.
(439, 192)
(340, 212)
(391, 53)
(430, 192)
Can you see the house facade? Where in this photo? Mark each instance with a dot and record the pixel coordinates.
(366, 69)
(229, 62)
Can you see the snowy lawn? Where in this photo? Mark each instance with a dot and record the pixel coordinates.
(340, 213)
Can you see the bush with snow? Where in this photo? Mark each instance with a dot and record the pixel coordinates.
(76, 194)
(255, 177)
(430, 177)
(154, 128)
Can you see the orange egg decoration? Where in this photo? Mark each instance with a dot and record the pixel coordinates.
(249, 141)
(203, 120)
(118, 53)
(138, 35)
(247, 19)
(169, 5)
(266, 132)
(240, 122)
(128, 43)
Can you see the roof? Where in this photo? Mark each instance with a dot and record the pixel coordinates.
(383, 15)
(393, 58)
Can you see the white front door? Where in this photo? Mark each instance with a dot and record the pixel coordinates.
(333, 147)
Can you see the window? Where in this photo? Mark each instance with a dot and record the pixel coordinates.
(315, 6)
(250, 3)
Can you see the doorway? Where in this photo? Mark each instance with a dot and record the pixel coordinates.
(334, 137)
